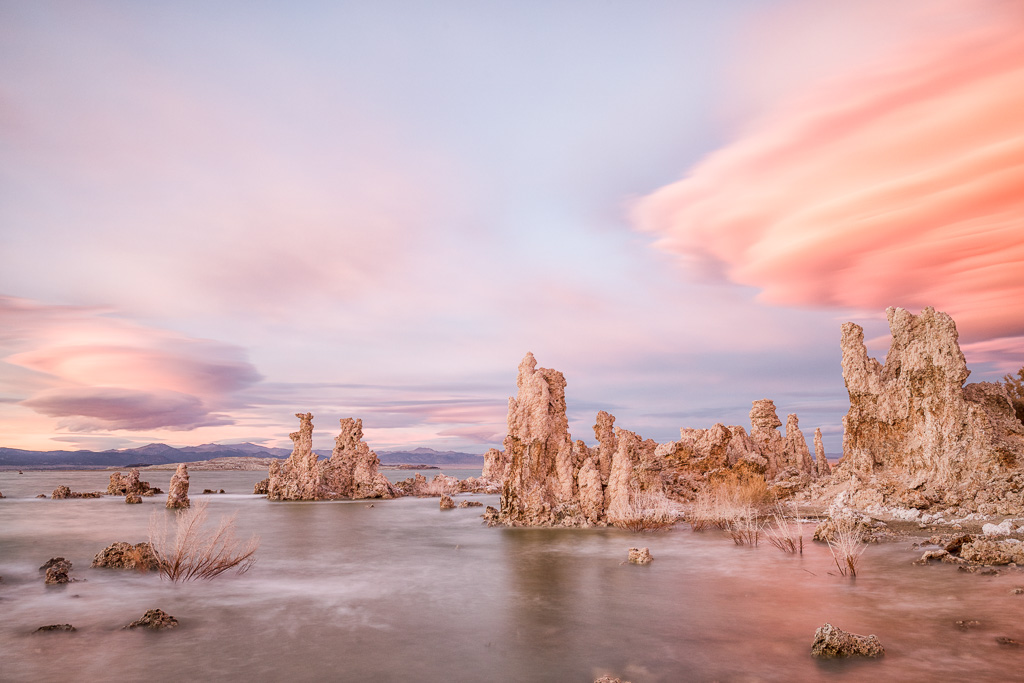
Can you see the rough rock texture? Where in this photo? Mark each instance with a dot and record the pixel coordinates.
(122, 555)
(133, 499)
(446, 502)
(350, 472)
(57, 570)
(495, 466)
(64, 492)
(261, 487)
(984, 551)
(552, 480)
(821, 461)
(55, 627)
(640, 555)
(155, 619)
(125, 484)
(470, 504)
(177, 495)
(796, 451)
(914, 434)
(831, 642)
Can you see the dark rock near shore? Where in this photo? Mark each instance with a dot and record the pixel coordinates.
(470, 504)
(154, 619)
(63, 492)
(55, 627)
(57, 571)
(122, 555)
(447, 503)
(261, 487)
(133, 499)
(831, 642)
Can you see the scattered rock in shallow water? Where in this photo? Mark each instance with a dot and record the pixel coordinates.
(985, 551)
(154, 619)
(932, 555)
(122, 555)
(55, 627)
(1017, 591)
(446, 502)
(261, 487)
(133, 499)
(470, 504)
(57, 571)
(832, 642)
(177, 498)
(51, 562)
(640, 556)
(491, 515)
(42, 495)
(609, 679)
(1010, 642)
(63, 492)
(967, 624)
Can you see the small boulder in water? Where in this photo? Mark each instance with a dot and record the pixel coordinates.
(640, 556)
(55, 627)
(57, 570)
(446, 502)
(133, 499)
(177, 497)
(470, 504)
(122, 555)
(155, 619)
(261, 487)
(831, 642)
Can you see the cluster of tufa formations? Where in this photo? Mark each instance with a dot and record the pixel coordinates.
(915, 437)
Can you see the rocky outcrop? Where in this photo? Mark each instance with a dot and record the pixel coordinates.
(62, 492)
(122, 555)
(914, 434)
(831, 642)
(57, 570)
(261, 487)
(640, 556)
(127, 484)
(470, 504)
(133, 499)
(495, 466)
(820, 460)
(351, 471)
(154, 619)
(177, 495)
(446, 502)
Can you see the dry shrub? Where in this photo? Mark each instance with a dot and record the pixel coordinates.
(846, 544)
(647, 511)
(784, 533)
(198, 552)
(746, 527)
(727, 499)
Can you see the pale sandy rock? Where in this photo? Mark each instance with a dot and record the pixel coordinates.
(635, 469)
(125, 484)
(352, 471)
(640, 556)
(591, 491)
(177, 494)
(832, 642)
(913, 425)
(495, 466)
(261, 487)
(987, 551)
(446, 502)
(797, 453)
(821, 461)
(604, 432)
(1004, 528)
(764, 432)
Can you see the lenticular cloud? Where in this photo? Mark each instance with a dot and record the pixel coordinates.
(901, 185)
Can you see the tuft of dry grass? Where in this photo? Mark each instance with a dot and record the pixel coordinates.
(746, 527)
(784, 533)
(846, 545)
(647, 511)
(727, 501)
(197, 551)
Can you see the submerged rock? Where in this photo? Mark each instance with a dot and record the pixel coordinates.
(640, 556)
(57, 570)
(177, 496)
(55, 627)
(832, 642)
(62, 492)
(470, 504)
(122, 555)
(133, 499)
(352, 471)
(154, 619)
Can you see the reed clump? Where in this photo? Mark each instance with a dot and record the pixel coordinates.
(724, 501)
(783, 532)
(746, 527)
(199, 551)
(846, 544)
(646, 511)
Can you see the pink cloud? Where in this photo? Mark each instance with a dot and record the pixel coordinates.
(900, 184)
(97, 372)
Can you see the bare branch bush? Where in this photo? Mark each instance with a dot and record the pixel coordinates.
(745, 528)
(846, 544)
(646, 511)
(726, 501)
(198, 551)
(784, 533)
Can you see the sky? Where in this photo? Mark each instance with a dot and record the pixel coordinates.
(216, 215)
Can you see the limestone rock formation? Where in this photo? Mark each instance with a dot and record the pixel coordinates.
(122, 555)
(640, 556)
(821, 460)
(446, 502)
(154, 619)
(470, 504)
(260, 488)
(797, 453)
(177, 495)
(127, 484)
(914, 433)
(133, 499)
(832, 642)
(57, 570)
(350, 472)
(495, 466)
(62, 492)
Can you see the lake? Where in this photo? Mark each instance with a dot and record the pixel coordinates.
(402, 591)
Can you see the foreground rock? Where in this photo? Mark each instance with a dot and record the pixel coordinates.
(261, 487)
(447, 503)
(133, 499)
(57, 571)
(915, 436)
(640, 556)
(122, 555)
(55, 627)
(177, 496)
(832, 642)
(155, 619)
(352, 471)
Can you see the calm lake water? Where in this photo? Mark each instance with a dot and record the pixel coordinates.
(404, 592)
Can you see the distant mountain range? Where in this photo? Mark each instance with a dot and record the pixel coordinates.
(161, 454)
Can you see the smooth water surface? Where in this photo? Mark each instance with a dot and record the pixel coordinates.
(402, 591)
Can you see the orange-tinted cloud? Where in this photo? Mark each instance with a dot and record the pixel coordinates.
(900, 184)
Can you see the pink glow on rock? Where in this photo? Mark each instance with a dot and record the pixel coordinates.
(899, 185)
